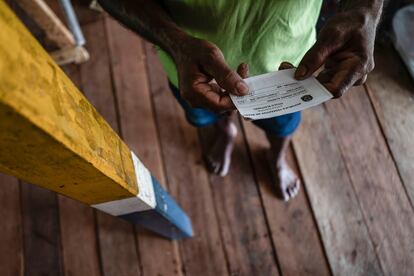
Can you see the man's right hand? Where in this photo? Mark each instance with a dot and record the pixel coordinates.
(205, 79)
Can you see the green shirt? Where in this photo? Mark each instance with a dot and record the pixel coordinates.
(262, 33)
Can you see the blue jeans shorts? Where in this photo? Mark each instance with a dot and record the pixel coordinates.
(281, 126)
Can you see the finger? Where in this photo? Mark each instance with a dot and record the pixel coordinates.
(228, 79)
(216, 88)
(331, 63)
(361, 81)
(243, 70)
(286, 65)
(342, 80)
(212, 98)
(316, 56)
(325, 76)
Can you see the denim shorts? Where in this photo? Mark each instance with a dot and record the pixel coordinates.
(280, 126)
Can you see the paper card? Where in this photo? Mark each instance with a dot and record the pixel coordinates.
(278, 93)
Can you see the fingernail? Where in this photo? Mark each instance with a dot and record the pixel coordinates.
(242, 88)
(300, 72)
(285, 64)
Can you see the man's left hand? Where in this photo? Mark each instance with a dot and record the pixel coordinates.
(345, 47)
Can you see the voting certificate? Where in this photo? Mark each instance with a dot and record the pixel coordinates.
(279, 93)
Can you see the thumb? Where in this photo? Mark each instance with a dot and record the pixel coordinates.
(315, 57)
(228, 79)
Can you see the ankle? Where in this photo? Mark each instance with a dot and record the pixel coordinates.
(227, 127)
(281, 162)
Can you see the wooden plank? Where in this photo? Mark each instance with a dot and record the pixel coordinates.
(243, 225)
(79, 238)
(187, 178)
(95, 75)
(47, 20)
(117, 246)
(391, 91)
(134, 101)
(11, 238)
(381, 195)
(293, 230)
(116, 238)
(341, 223)
(42, 252)
(77, 221)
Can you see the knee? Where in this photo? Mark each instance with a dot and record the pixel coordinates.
(284, 125)
(198, 117)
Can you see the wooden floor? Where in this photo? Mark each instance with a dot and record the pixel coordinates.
(354, 215)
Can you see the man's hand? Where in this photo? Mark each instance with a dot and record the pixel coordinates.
(345, 47)
(205, 79)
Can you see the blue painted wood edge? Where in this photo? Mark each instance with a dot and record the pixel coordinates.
(166, 219)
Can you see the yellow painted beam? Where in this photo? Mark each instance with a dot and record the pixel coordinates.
(50, 135)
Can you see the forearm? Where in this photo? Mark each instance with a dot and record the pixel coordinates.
(149, 19)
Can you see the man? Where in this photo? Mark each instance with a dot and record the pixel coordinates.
(201, 41)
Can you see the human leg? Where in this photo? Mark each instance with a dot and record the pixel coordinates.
(279, 132)
(218, 154)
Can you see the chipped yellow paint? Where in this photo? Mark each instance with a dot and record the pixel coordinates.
(50, 135)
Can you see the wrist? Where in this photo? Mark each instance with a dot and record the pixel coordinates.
(176, 44)
(368, 10)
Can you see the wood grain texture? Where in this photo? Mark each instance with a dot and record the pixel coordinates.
(188, 181)
(294, 232)
(243, 225)
(42, 251)
(11, 249)
(117, 241)
(392, 93)
(95, 75)
(79, 238)
(374, 177)
(341, 223)
(77, 224)
(128, 63)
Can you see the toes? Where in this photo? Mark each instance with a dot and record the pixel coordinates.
(223, 171)
(216, 168)
(294, 189)
(297, 187)
(211, 165)
(291, 191)
(287, 194)
(225, 166)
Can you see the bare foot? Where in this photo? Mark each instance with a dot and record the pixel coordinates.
(287, 182)
(218, 157)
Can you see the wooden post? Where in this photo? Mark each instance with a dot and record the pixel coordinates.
(51, 136)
